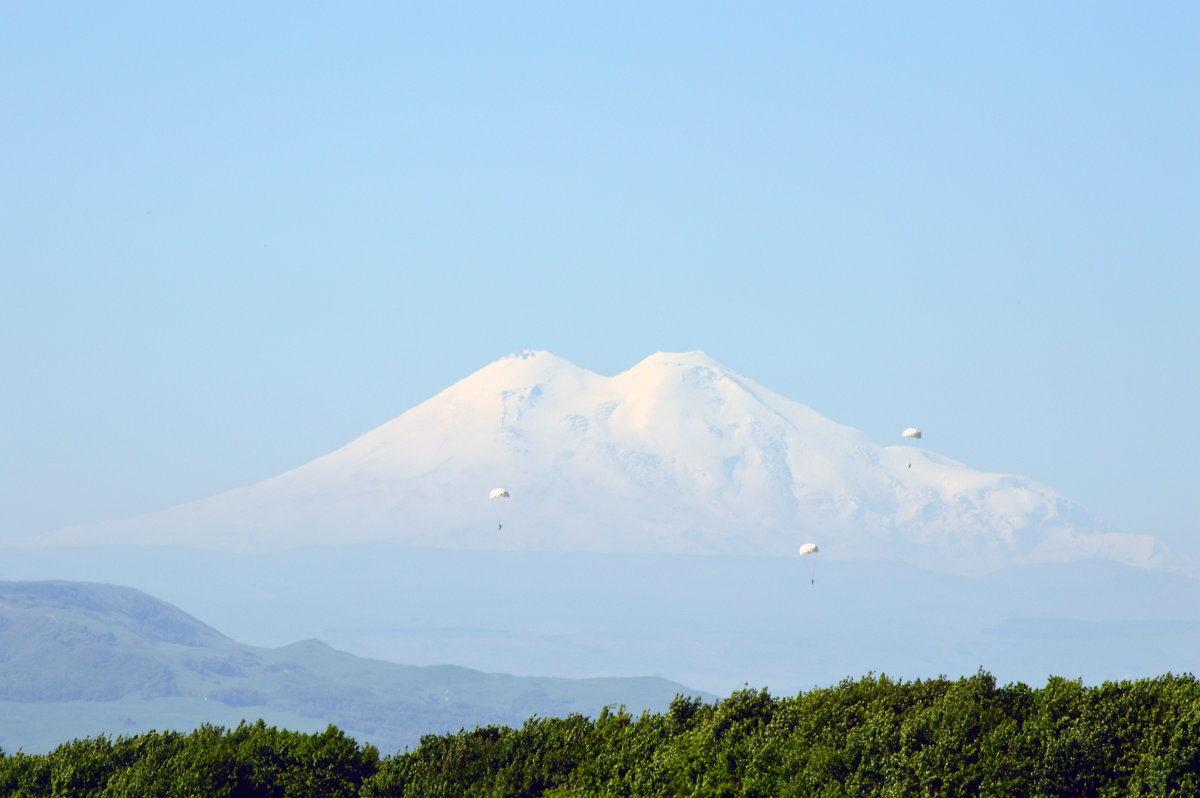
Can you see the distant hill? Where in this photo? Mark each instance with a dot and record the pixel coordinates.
(710, 622)
(679, 454)
(80, 659)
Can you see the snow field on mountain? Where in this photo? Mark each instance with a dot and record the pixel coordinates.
(679, 454)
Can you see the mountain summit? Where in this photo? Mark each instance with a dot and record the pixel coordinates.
(677, 454)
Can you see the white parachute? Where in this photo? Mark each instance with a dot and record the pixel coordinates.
(805, 550)
(915, 434)
(498, 493)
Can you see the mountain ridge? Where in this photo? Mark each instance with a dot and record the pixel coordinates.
(676, 454)
(81, 658)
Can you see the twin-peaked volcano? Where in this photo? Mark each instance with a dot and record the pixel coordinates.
(678, 454)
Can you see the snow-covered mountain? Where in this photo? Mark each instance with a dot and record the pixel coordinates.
(677, 454)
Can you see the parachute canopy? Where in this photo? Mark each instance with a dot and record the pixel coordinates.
(809, 548)
(498, 493)
(911, 432)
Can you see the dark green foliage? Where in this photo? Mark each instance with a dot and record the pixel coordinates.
(868, 737)
(251, 760)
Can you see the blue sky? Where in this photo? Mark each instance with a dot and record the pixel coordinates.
(235, 237)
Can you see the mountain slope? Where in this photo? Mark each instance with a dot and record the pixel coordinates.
(79, 659)
(677, 454)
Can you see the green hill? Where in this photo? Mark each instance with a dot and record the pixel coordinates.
(80, 659)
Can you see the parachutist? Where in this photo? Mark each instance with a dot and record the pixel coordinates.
(911, 432)
(806, 550)
(498, 493)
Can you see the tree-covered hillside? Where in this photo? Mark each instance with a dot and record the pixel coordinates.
(867, 737)
(78, 659)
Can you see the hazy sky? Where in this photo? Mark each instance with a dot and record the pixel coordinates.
(235, 236)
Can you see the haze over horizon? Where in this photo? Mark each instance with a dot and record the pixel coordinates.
(237, 238)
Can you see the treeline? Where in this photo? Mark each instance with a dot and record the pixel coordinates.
(870, 737)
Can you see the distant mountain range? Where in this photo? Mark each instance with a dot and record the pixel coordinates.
(710, 622)
(80, 659)
(677, 455)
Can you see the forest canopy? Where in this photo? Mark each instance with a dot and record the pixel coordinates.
(873, 736)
